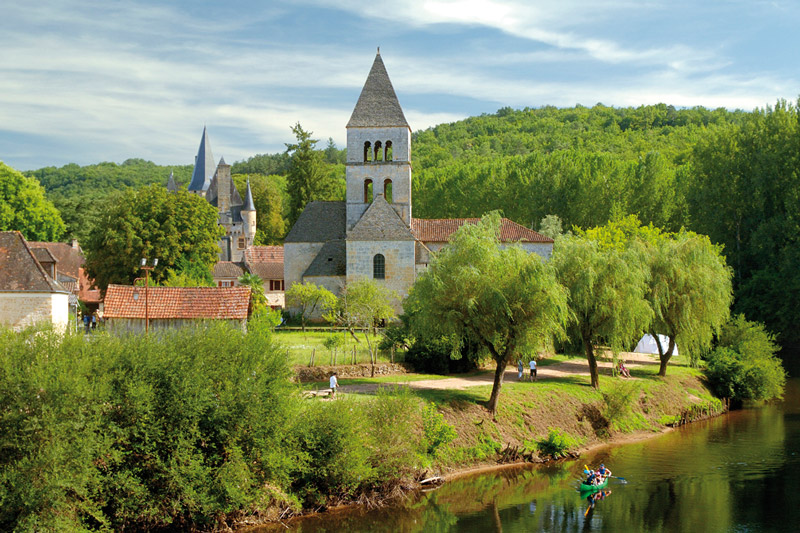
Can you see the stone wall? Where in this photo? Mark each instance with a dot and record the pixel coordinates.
(399, 256)
(322, 373)
(297, 256)
(400, 137)
(19, 310)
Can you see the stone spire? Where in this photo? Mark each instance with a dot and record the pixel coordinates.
(204, 166)
(171, 185)
(377, 106)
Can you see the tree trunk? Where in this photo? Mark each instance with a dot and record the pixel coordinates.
(665, 357)
(587, 344)
(371, 355)
(498, 383)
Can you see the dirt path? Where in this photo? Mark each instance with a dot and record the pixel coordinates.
(572, 367)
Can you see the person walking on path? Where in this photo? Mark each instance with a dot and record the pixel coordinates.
(519, 369)
(533, 369)
(334, 383)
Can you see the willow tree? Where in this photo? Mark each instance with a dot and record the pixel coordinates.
(690, 292)
(607, 287)
(501, 297)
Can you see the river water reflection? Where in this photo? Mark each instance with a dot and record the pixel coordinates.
(737, 473)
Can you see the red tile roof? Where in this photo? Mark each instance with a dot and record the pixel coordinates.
(228, 269)
(70, 262)
(261, 254)
(177, 302)
(440, 230)
(19, 268)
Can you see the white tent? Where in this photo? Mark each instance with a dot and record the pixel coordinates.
(647, 344)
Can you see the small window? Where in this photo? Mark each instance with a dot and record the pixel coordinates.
(387, 155)
(241, 243)
(276, 284)
(368, 191)
(225, 283)
(379, 267)
(378, 152)
(387, 190)
(367, 153)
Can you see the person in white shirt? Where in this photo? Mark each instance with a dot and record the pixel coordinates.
(334, 383)
(533, 369)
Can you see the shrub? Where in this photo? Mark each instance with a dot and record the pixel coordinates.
(744, 365)
(433, 356)
(332, 458)
(437, 432)
(557, 444)
(393, 439)
(618, 403)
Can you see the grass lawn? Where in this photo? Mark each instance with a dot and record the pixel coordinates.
(302, 345)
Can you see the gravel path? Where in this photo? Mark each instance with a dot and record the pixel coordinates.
(560, 370)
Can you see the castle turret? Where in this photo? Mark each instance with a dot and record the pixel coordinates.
(378, 149)
(223, 179)
(249, 215)
(171, 185)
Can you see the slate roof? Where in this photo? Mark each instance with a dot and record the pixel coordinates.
(204, 166)
(20, 269)
(330, 261)
(177, 302)
(377, 105)
(249, 205)
(380, 223)
(319, 222)
(228, 269)
(440, 230)
(212, 196)
(255, 254)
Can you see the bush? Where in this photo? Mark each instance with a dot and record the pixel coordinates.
(618, 403)
(557, 444)
(139, 432)
(744, 365)
(437, 432)
(433, 356)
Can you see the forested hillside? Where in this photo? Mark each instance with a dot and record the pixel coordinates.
(732, 175)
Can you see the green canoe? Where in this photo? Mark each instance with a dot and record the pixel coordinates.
(594, 488)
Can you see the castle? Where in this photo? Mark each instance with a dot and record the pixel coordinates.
(213, 182)
(372, 233)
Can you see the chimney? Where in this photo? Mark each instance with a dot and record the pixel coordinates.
(75, 244)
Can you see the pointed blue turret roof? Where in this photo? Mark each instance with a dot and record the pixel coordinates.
(249, 205)
(204, 166)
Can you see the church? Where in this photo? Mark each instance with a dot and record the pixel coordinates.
(373, 233)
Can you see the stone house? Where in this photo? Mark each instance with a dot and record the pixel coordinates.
(173, 307)
(266, 262)
(29, 292)
(69, 271)
(373, 233)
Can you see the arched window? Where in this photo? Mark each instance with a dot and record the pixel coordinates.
(367, 152)
(379, 267)
(387, 190)
(387, 154)
(367, 191)
(378, 152)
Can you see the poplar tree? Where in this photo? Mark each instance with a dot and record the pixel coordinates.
(308, 179)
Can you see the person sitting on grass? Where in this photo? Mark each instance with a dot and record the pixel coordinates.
(623, 370)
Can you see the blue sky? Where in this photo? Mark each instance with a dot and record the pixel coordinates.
(102, 80)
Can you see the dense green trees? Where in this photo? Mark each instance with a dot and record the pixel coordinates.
(502, 298)
(151, 223)
(23, 207)
(310, 298)
(308, 179)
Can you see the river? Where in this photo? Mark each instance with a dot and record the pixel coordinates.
(735, 473)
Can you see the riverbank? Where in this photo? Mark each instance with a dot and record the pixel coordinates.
(622, 411)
